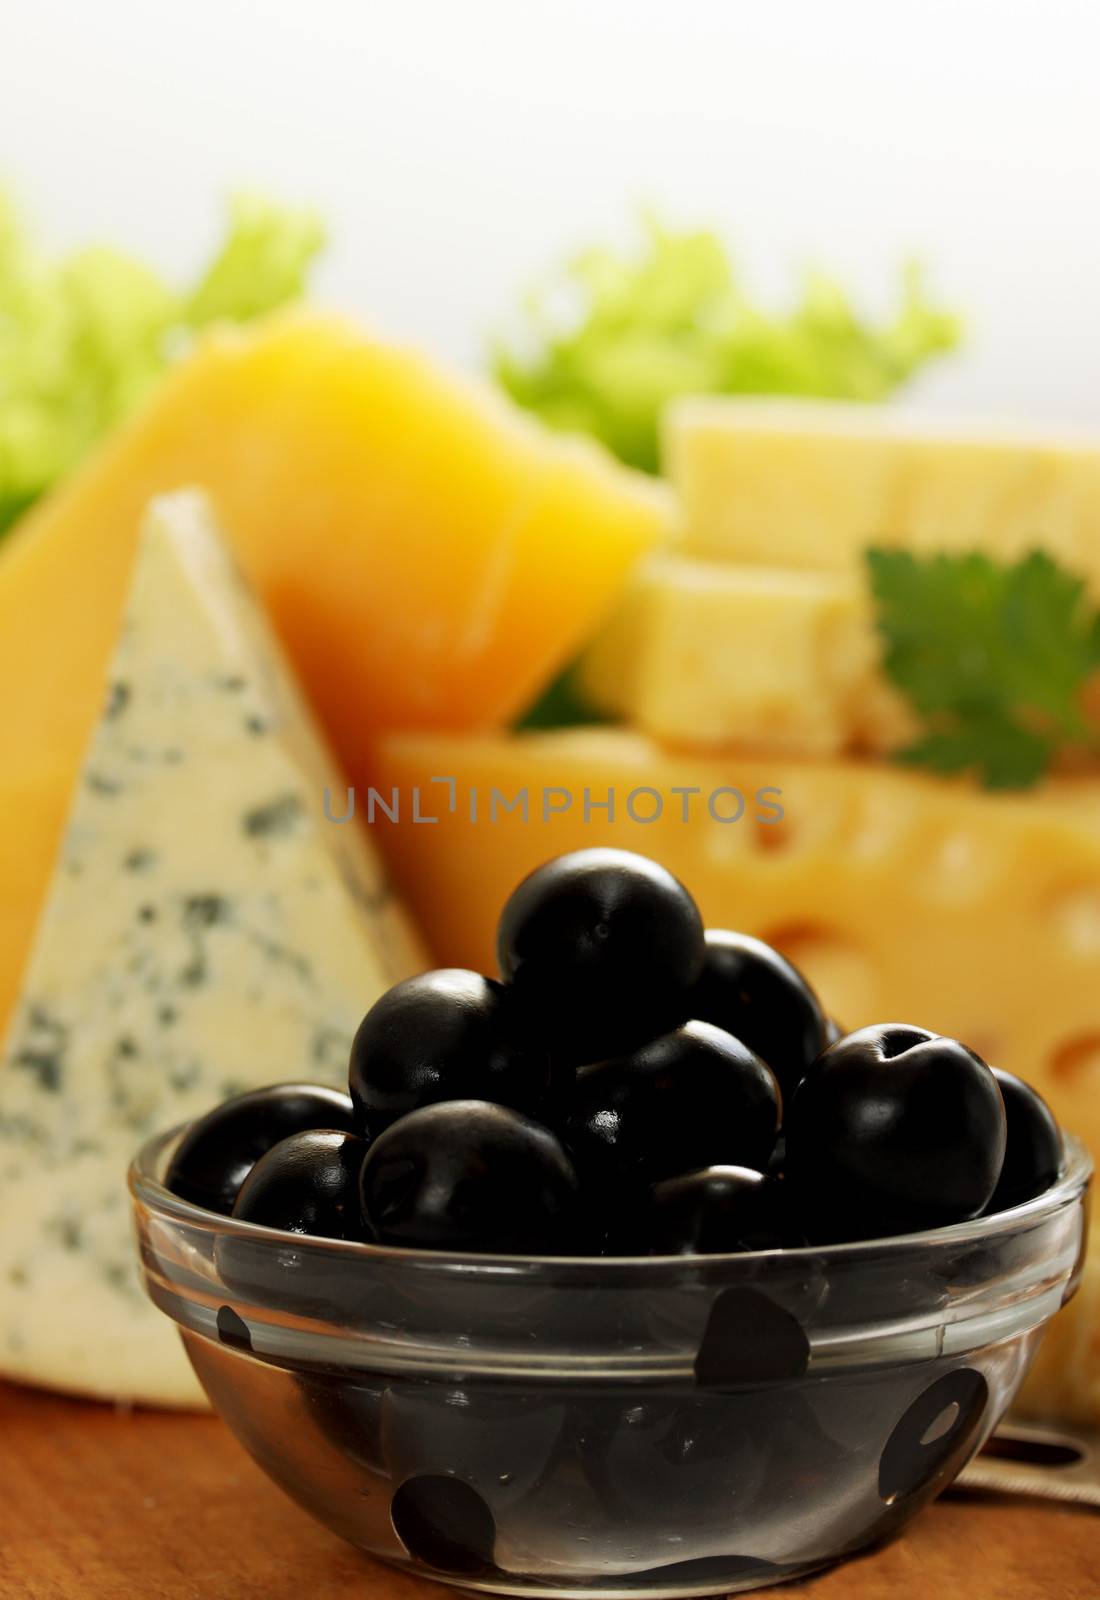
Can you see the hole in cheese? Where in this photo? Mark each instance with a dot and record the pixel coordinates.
(956, 865)
(1077, 1058)
(1073, 915)
(775, 838)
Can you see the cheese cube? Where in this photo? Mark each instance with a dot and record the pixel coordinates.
(812, 484)
(709, 655)
(208, 930)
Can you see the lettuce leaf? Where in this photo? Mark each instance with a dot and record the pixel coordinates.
(605, 346)
(83, 339)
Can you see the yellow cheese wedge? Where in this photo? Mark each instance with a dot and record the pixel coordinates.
(811, 484)
(903, 897)
(712, 655)
(427, 553)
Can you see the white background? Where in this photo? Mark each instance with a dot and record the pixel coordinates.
(458, 148)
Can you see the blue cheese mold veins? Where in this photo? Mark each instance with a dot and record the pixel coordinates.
(206, 932)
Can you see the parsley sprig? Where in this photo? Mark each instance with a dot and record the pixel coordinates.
(994, 656)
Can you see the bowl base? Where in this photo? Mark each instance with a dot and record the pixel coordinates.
(636, 1586)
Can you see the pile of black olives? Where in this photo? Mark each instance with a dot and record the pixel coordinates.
(634, 1084)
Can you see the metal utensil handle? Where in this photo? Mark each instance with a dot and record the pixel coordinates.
(1052, 1463)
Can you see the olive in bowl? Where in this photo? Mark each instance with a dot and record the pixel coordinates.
(893, 1130)
(645, 1389)
(602, 948)
(534, 1308)
(445, 1035)
(220, 1149)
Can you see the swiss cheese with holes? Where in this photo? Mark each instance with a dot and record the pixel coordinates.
(903, 897)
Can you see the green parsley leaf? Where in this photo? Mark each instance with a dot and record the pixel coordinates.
(1006, 755)
(994, 656)
(605, 346)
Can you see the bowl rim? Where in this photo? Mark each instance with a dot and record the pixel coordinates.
(149, 1192)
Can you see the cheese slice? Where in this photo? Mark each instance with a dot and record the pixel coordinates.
(811, 484)
(903, 898)
(208, 930)
(428, 553)
(712, 655)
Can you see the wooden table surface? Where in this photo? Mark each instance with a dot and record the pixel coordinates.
(101, 1505)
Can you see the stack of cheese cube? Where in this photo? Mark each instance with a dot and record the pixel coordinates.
(756, 631)
(744, 657)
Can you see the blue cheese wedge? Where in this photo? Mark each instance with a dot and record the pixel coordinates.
(208, 930)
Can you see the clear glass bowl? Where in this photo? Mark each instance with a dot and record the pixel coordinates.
(643, 1426)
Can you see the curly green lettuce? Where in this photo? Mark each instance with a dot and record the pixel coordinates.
(84, 338)
(606, 345)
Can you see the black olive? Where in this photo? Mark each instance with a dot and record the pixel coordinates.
(466, 1175)
(445, 1524)
(662, 1463)
(893, 1130)
(217, 1152)
(753, 992)
(1033, 1151)
(603, 948)
(346, 1412)
(499, 1438)
(715, 1211)
(308, 1183)
(696, 1097)
(446, 1035)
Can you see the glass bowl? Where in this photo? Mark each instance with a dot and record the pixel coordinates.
(643, 1426)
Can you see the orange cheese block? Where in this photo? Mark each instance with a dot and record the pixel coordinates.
(428, 554)
(904, 898)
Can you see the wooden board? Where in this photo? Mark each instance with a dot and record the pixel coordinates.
(98, 1505)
